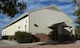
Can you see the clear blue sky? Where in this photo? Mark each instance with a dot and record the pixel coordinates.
(66, 5)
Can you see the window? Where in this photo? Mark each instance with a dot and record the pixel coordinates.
(19, 27)
(36, 25)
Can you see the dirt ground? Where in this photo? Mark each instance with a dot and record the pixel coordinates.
(44, 46)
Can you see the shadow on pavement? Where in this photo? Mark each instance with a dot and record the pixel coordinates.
(56, 43)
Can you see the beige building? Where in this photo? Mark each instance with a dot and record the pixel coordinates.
(47, 21)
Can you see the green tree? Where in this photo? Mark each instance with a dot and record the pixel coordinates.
(11, 7)
(77, 13)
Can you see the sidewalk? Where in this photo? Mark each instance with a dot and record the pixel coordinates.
(77, 42)
(7, 42)
(13, 43)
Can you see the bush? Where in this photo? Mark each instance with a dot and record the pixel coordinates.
(35, 39)
(4, 37)
(77, 35)
(77, 32)
(10, 37)
(23, 37)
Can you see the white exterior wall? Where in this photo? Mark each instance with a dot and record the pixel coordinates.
(45, 18)
(13, 28)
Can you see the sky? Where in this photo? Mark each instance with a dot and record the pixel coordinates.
(66, 5)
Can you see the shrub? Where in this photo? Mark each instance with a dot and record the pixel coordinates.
(35, 39)
(4, 37)
(7, 37)
(10, 37)
(77, 32)
(23, 37)
(78, 36)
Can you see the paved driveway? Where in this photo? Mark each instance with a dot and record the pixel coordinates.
(10, 44)
(7, 42)
(77, 42)
(2, 43)
(44, 46)
(13, 43)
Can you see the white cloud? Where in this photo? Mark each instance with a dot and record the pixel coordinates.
(32, 1)
(5, 19)
(65, 0)
(65, 6)
(35, 6)
(69, 8)
(47, 0)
